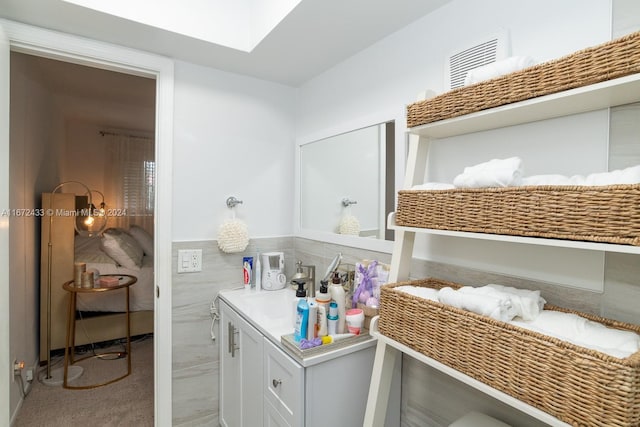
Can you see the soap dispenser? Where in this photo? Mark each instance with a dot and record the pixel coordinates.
(339, 296)
(323, 299)
(302, 314)
(300, 294)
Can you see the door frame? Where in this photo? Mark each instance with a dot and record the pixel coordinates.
(60, 46)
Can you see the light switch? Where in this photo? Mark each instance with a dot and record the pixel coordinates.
(189, 260)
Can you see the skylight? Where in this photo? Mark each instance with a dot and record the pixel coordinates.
(237, 24)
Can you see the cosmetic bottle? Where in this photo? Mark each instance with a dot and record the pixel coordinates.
(312, 323)
(332, 318)
(301, 293)
(323, 299)
(322, 296)
(322, 320)
(302, 318)
(338, 295)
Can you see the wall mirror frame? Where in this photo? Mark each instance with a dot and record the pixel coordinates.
(391, 179)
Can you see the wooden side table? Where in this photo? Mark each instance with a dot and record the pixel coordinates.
(124, 281)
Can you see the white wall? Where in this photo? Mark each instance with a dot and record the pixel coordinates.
(233, 136)
(392, 72)
(31, 170)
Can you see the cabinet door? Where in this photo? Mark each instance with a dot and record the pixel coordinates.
(283, 387)
(241, 371)
(273, 418)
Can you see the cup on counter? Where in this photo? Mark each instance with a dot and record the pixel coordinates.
(355, 320)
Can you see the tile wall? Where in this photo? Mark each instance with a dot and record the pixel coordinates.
(426, 398)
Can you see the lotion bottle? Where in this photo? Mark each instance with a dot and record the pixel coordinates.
(322, 296)
(323, 299)
(322, 321)
(302, 320)
(339, 296)
(332, 318)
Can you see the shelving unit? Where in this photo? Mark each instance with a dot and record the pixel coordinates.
(573, 244)
(610, 93)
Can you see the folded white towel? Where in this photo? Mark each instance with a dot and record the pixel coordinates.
(494, 173)
(552, 179)
(433, 186)
(583, 332)
(525, 303)
(597, 334)
(630, 175)
(620, 176)
(478, 302)
(419, 291)
(498, 68)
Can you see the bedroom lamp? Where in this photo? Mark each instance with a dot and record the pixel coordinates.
(101, 211)
(89, 221)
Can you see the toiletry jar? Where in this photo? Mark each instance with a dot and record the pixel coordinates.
(577, 385)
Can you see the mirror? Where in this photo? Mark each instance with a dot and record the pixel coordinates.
(347, 182)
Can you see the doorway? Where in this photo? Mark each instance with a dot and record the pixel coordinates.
(72, 124)
(53, 45)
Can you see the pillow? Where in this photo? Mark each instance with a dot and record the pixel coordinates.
(123, 248)
(143, 238)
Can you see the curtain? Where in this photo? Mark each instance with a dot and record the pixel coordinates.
(129, 182)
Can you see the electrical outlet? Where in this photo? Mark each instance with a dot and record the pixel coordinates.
(17, 369)
(189, 260)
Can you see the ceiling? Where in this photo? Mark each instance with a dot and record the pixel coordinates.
(312, 38)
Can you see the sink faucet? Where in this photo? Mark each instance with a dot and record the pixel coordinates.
(309, 277)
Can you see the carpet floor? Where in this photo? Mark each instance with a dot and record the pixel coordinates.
(128, 402)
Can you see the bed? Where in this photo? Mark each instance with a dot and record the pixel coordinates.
(100, 317)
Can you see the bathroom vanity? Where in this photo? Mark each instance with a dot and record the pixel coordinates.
(263, 382)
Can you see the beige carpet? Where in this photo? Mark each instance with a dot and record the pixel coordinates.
(128, 402)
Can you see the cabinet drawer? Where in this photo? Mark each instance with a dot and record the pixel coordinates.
(283, 384)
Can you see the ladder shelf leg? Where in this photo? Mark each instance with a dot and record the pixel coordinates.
(382, 375)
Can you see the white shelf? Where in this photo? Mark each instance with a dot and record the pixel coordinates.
(606, 94)
(572, 244)
(484, 388)
(624, 90)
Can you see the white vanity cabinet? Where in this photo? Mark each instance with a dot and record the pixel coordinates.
(283, 388)
(263, 384)
(241, 349)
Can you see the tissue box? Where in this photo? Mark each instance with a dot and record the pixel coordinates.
(108, 281)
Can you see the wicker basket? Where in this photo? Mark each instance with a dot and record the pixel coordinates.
(606, 214)
(608, 61)
(579, 386)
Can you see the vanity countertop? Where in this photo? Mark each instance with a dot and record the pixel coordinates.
(272, 313)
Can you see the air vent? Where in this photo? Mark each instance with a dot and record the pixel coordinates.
(490, 50)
